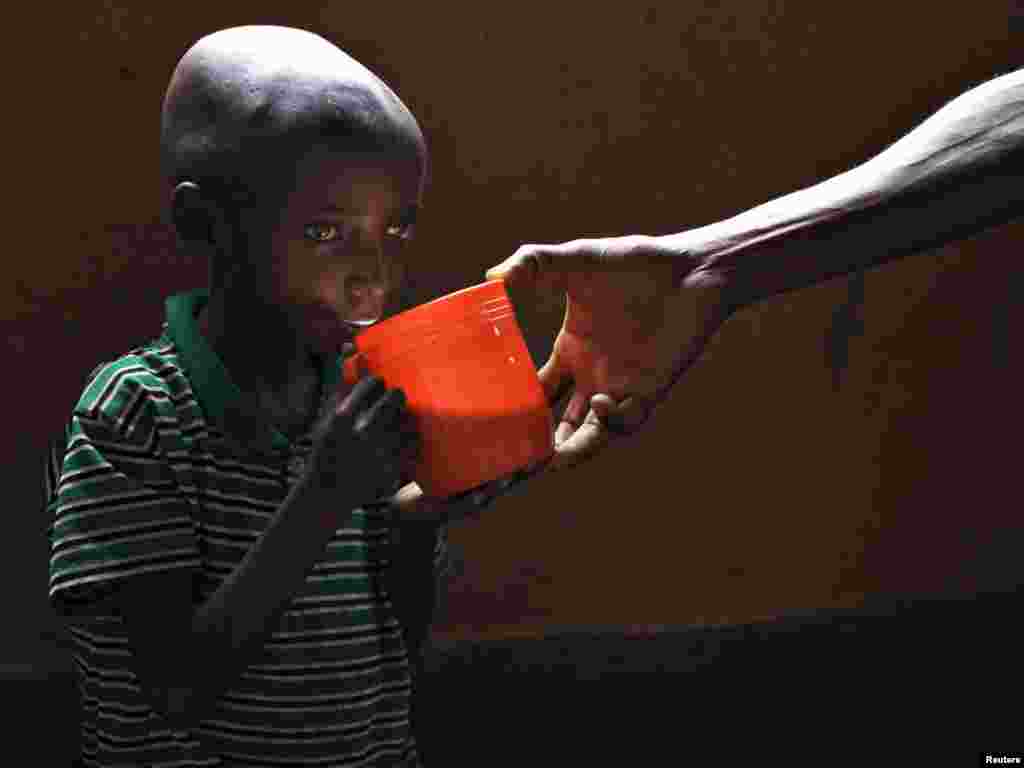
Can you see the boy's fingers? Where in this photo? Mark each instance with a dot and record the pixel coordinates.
(351, 367)
(365, 391)
(387, 413)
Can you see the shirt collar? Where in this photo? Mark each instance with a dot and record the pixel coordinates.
(222, 401)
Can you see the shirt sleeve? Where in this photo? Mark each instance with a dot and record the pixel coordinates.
(115, 509)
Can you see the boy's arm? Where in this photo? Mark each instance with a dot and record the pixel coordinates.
(122, 537)
(188, 656)
(134, 525)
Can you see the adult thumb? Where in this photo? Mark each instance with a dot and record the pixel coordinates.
(534, 266)
(555, 378)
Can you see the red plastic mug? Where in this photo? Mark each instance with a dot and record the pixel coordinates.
(469, 383)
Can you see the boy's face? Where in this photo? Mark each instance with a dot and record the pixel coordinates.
(337, 246)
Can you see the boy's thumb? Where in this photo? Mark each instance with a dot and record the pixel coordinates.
(350, 372)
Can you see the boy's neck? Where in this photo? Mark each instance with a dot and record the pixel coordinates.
(264, 356)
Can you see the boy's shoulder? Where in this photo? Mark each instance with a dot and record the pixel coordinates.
(138, 388)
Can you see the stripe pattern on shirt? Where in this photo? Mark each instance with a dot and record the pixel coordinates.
(140, 483)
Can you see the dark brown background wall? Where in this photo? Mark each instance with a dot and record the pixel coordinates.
(760, 489)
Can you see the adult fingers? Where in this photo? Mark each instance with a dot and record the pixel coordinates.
(387, 413)
(628, 416)
(573, 417)
(587, 441)
(556, 378)
(538, 266)
(367, 390)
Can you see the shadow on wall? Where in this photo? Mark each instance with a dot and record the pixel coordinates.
(64, 337)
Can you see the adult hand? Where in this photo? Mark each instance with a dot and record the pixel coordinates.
(639, 312)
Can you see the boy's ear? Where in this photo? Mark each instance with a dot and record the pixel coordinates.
(197, 219)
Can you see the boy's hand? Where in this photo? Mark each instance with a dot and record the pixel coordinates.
(411, 504)
(367, 443)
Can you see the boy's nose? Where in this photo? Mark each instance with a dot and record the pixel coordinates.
(368, 279)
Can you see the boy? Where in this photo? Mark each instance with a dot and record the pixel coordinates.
(232, 596)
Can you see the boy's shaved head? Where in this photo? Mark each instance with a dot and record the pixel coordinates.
(244, 104)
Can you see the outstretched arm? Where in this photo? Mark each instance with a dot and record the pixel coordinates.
(958, 173)
(640, 309)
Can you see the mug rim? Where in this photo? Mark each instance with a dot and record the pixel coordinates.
(415, 318)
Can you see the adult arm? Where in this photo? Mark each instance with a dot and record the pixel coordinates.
(640, 309)
(958, 173)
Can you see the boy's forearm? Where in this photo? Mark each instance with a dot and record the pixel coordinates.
(232, 625)
(955, 175)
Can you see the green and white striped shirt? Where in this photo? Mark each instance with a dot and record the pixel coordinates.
(160, 470)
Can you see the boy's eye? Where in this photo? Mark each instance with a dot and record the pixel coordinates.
(322, 232)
